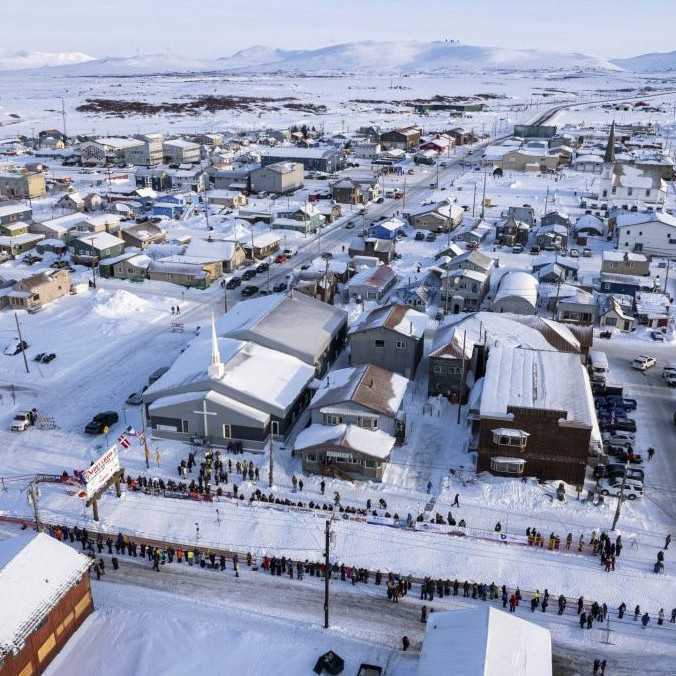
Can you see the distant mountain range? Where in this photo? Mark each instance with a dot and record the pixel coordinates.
(350, 57)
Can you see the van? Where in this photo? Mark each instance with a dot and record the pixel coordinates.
(598, 367)
(157, 374)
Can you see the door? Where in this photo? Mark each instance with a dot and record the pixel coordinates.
(275, 427)
(227, 432)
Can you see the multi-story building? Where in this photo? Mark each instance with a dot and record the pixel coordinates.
(180, 151)
(22, 185)
(279, 178)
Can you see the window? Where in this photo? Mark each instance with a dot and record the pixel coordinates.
(380, 343)
(227, 432)
(333, 419)
(614, 189)
(311, 457)
(275, 427)
(436, 369)
(401, 345)
(507, 465)
(630, 192)
(647, 192)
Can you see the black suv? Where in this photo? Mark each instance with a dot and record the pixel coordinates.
(100, 421)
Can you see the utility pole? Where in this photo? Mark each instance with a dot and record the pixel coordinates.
(225, 297)
(620, 499)
(21, 343)
(93, 266)
(270, 468)
(483, 198)
(462, 381)
(546, 200)
(327, 571)
(33, 497)
(63, 117)
(666, 275)
(474, 201)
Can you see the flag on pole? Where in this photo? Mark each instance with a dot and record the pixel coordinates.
(123, 441)
(131, 431)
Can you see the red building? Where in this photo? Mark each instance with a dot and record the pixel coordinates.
(46, 596)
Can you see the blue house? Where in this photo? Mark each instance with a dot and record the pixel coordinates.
(387, 229)
(611, 282)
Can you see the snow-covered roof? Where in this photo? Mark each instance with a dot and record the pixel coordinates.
(624, 219)
(377, 278)
(376, 443)
(213, 249)
(399, 318)
(484, 641)
(520, 284)
(254, 375)
(36, 570)
(11, 209)
(181, 143)
(538, 379)
(100, 240)
(295, 152)
(295, 324)
(119, 143)
(620, 256)
(371, 386)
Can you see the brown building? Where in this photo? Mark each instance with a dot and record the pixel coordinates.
(404, 138)
(31, 293)
(542, 423)
(46, 596)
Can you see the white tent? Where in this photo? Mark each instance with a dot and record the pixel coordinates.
(484, 641)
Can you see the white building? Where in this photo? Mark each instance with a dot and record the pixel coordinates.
(180, 151)
(653, 234)
(517, 293)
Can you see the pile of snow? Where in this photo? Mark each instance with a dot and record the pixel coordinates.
(118, 305)
(21, 60)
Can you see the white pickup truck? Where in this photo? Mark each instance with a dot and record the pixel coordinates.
(21, 422)
(669, 375)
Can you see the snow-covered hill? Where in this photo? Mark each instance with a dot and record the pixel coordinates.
(657, 62)
(409, 56)
(369, 57)
(23, 59)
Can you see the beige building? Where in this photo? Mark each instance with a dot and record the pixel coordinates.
(37, 290)
(280, 178)
(528, 160)
(22, 185)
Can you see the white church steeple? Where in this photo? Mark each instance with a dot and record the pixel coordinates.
(216, 368)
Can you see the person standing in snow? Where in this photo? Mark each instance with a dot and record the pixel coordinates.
(405, 643)
(583, 619)
(637, 612)
(456, 500)
(429, 487)
(660, 617)
(597, 666)
(645, 620)
(322, 486)
(667, 541)
(621, 610)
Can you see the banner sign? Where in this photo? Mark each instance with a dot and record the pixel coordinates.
(101, 471)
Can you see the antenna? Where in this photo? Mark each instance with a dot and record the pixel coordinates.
(63, 117)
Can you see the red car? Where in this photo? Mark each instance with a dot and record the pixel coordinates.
(281, 259)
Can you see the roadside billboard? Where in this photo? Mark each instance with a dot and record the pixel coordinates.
(101, 471)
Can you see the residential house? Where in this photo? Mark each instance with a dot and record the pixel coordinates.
(261, 246)
(567, 270)
(323, 158)
(588, 224)
(355, 190)
(382, 249)
(302, 217)
(293, 323)
(188, 271)
(367, 396)
(229, 253)
(232, 199)
(278, 178)
(517, 293)
(625, 263)
(653, 309)
(388, 229)
(180, 151)
(525, 214)
(472, 260)
(612, 315)
(512, 231)
(541, 424)
(653, 234)
(372, 284)
(588, 162)
(437, 217)
(11, 212)
(537, 159)
(552, 236)
(18, 244)
(71, 200)
(556, 218)
(477, 234)
(439, 144)
(113, 150)
(96, 246)
(451, 251)
(37, 290)
(464, 290)
(22, 185)
(14, 229)
(404, 138)
(344, 451)
(391, 337)
(130, 265)
(366, 151)
(630, 285)
(575, 307)
(462, 137)
(142, 235)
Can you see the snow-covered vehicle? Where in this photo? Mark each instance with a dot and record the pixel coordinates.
(21, 422)
(632, 488)
(643, 362)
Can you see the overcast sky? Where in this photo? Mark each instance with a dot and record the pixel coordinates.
(209, 28)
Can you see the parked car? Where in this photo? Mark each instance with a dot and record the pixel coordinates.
(574, 253)
(627, 425)
(349, 225)
(535, 250)
(419, 236)
(626, 402)
(281, 259)
(46, 358)
(250, 290)
(643, 362)
(21, 422)
(278, 288)
(233, 283)
(517, 248)
(16, 346)
(587, 252)
(290, 251)
(606, 334)
(430, 237)
(657, 336)
(613, 486)
(100, 421)
(620, 469)
(262, 267)
(248, 274)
